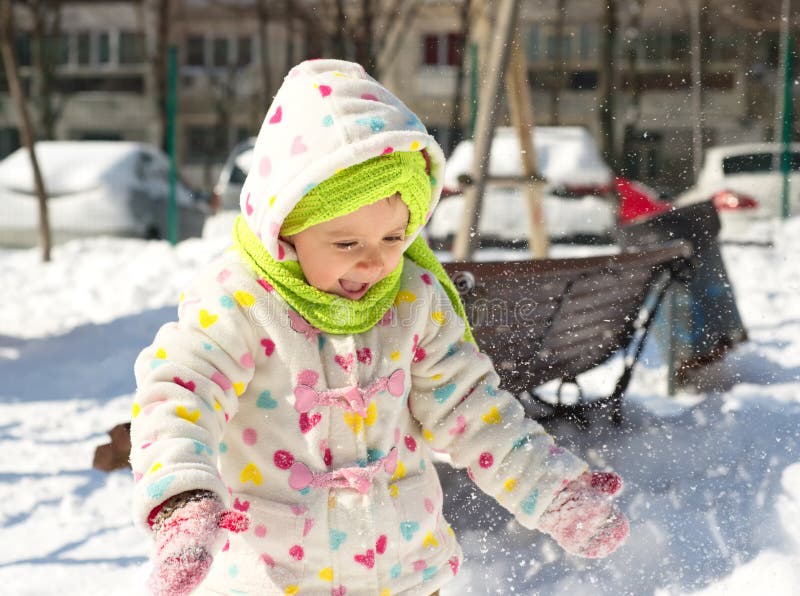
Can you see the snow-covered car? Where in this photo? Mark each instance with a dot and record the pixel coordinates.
(579, 200)
(225, 194)
(744, 181)
(94, 188)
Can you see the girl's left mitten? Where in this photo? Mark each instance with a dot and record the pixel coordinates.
(186, 541)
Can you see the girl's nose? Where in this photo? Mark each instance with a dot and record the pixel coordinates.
(372, 261)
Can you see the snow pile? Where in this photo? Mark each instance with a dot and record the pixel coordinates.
(712, 477)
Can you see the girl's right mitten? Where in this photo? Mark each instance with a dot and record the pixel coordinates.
(186, 542)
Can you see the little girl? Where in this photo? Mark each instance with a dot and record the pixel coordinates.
(282, 427)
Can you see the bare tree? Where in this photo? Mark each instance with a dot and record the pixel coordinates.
(633, 113)
(46, 40)
(263, 14)
(369, 27)
(559, 67)
(456, 130)
(606, 88)
(162, 13)
(26, 128)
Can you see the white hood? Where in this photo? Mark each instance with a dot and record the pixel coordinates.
(328, 115)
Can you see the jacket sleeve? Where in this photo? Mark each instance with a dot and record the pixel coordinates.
(463, 413)
(188, 383)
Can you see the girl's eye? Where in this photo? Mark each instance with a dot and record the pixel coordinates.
(393, 239)
(345, 245)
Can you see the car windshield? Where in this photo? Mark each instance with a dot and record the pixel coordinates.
(753, 163)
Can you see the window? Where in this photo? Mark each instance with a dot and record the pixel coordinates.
(724, 48)
(103, 48)
(22, 47)
(202, 144)
(583, 80)
(442, 50)
(131, 47)
(219, 53)
(9, 140)
(84, 48)
(57, 49)
(664, 47)
(533, 43)
(753, 163)
(195, 50)
(588, 42)
(545, 44)
(431, 50)
(679, 47)
(244, 51)
(559, 46)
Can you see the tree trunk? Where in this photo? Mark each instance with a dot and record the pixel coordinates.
(558, 64)
(26, 129)
(456, 131)
(159, 61)
(606, 90)
(46, 35)
(633, 114)
(366, 38)
(696, 33)
(266, 71)
(339, 31)
(289, 16)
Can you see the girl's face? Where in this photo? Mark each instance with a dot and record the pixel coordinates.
(348, 255)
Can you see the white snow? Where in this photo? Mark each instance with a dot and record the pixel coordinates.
(712, 476)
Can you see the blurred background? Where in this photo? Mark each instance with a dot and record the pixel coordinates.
(625, 69)
(652, 86)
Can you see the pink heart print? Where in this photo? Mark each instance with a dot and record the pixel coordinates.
(364, 356)
(396, 383)
(298, 146)
(300, 476)
(185, 384)
(346, 362)
(276, 117)
(269, 346)
(367, 559)
(305, 398)
(265, 166)
(307, 422)
(459, 427)
(418, 351)
(380, 545)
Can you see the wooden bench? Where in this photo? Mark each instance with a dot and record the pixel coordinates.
(548, 319)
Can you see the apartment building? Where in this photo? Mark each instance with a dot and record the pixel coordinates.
(106, 83)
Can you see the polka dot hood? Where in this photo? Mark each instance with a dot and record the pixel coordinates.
(328, 115)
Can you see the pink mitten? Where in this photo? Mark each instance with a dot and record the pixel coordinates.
(186, 543)
(583, 519)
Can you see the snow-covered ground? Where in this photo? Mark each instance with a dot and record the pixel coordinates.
(712, 477)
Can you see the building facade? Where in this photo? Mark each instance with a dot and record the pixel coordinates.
(231, 57)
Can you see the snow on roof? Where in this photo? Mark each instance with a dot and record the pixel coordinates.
(565, 155)
(67, 166)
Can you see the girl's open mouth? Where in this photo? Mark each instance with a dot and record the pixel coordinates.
(353, 290)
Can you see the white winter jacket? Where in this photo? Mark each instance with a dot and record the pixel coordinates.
(242, 398)
(324, 440)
